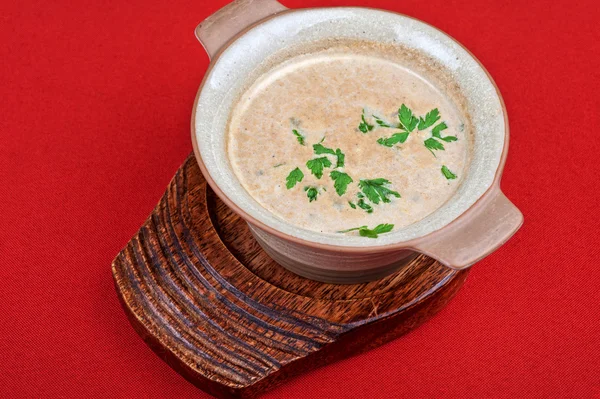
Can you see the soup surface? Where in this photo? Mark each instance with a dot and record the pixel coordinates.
(334, 140)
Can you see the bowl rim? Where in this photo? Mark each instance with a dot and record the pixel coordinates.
(411, 244)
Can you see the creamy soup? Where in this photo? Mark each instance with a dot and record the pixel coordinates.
(338, 139)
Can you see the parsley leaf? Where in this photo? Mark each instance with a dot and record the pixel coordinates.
(351, 205)
(353, 229)
(380, 229)
(447, 173)
(321, 149)
(362, 203)
(432, 144)
(311, 193)
(432, 117)
(375, 191)
(364, 126)
(341, 181)
(395, 139)
(435, 132)
(317, 165)
(381, 122)
(364, 206)
(383, 228)
(364, 231)
(294, 178)
(407, 119)
(299, 137)
(341, 158)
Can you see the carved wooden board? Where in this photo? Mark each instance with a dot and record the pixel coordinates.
(204, 296)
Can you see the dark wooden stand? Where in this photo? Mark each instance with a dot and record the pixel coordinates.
(205, 297)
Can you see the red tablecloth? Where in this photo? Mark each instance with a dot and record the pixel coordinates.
(95, 103)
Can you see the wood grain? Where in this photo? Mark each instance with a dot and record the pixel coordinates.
(206, 298)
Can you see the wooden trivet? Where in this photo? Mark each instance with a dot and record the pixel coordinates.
(206, 298)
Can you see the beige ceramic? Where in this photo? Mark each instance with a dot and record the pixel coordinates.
(472, 224)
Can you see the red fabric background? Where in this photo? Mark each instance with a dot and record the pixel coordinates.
(94, 120)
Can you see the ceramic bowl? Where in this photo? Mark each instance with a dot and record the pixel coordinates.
(472, 224)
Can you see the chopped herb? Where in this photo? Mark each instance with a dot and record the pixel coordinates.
(364, 126)
(380, 229)
(430, 119)
(364, 206)
(447, 173)
(381, 122)
(294, 178)
(353, 229)
(317, 165)
(407, 119)
(299, 137)
(449, 139)
(341, 181)
(351, 205)
(321, 149)
(364, 231)
(395, 139)
(435, 132)
(376, 191)
(311, 193)
(341, 158)
(432, 144)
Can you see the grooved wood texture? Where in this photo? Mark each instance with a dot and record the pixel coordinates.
(205, 297)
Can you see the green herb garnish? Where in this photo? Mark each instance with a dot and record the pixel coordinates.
(376, 191)
(432, 144)
(447, 173)
(364, 231)
(341, 158)
(364, 206)
(311, 193)
(435, 132)
(352, 205)
(364, 126)
(317, 165)
(381, 122)
(407, 119)
(395, 139)
(341, 181)
(408, 122)
(320, 149)
(294, 178)
(430, 119)
(299, 137)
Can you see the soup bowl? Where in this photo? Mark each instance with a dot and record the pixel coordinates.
(473, 223)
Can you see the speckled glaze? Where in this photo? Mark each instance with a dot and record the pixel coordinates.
(248, 37)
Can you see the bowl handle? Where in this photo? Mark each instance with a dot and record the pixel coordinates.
(230, 20)
(477, 233)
